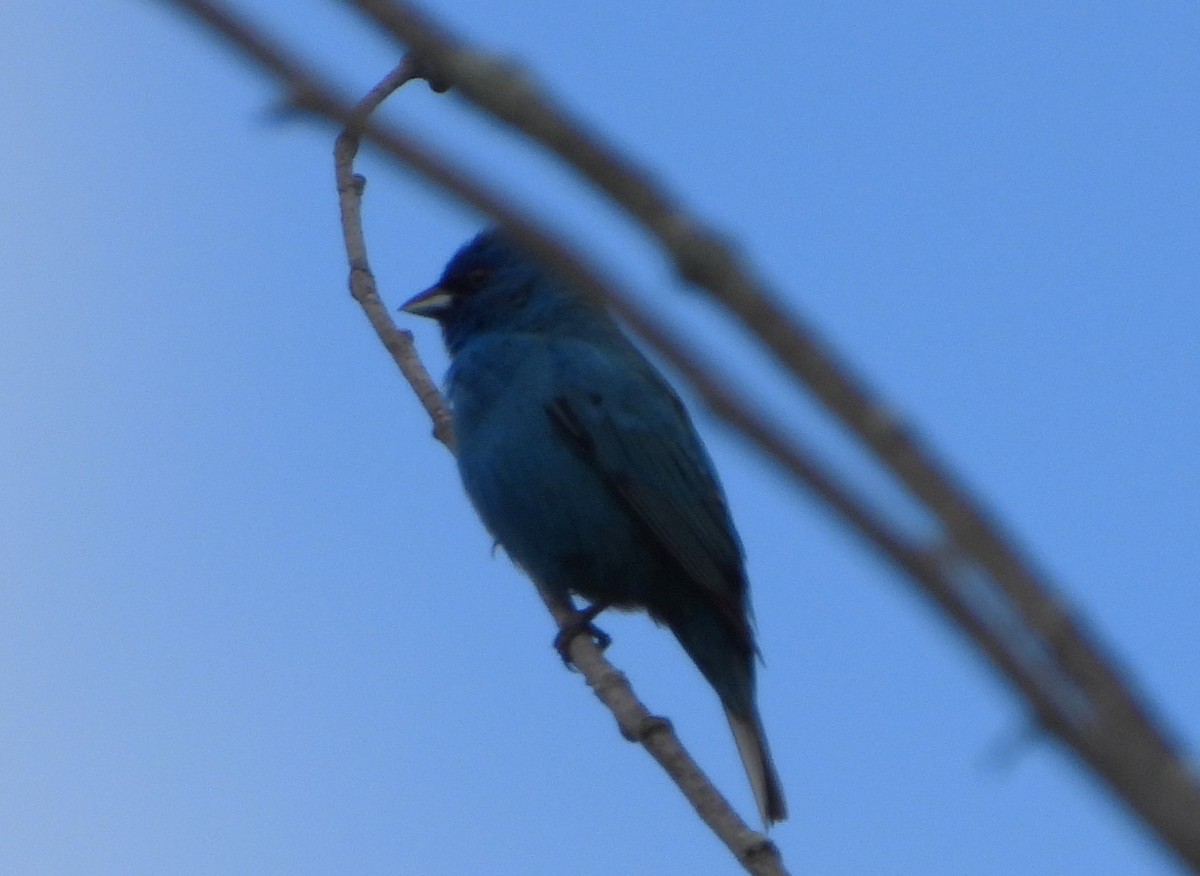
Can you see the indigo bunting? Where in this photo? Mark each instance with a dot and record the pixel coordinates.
(584, 465)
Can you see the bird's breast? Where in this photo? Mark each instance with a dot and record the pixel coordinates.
(548, 508)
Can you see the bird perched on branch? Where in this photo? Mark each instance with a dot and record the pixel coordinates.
(585, 467)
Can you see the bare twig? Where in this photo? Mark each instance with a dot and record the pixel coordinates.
(362, 281)
(755, 851)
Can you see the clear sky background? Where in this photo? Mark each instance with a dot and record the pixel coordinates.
(249, 623)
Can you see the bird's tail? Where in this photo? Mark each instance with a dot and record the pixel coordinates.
(725, 656)
(756, 758)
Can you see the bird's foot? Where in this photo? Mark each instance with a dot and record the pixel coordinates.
(580, 624)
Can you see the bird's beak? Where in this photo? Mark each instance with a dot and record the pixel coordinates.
(433, 302)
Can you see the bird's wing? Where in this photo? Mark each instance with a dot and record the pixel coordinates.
(632, 430)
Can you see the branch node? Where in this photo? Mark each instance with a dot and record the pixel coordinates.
(650, 725)
(758, 846)
(435, 75)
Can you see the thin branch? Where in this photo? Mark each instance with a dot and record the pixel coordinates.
(758, 854)
(362, 280)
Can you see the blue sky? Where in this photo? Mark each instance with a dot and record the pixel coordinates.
(251, 625)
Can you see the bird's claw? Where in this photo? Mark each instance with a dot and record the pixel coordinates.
(580, 624)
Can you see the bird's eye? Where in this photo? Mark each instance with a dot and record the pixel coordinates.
(477, 277)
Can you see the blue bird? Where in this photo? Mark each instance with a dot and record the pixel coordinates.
(584, 465)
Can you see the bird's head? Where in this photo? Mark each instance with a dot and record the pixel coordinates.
(485, 286)
(493, 285)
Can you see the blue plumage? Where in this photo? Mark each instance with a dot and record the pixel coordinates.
(584, 465)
